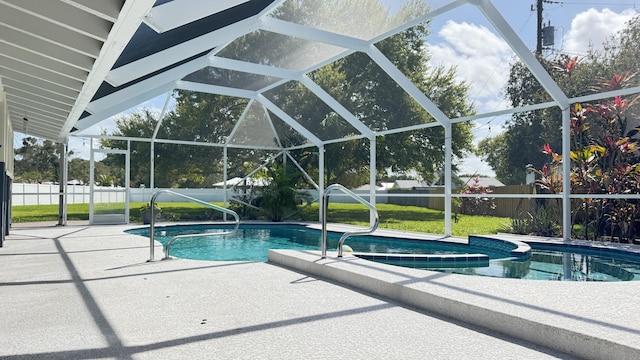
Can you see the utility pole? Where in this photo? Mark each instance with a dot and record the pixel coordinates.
(544, 34)
(539, 32)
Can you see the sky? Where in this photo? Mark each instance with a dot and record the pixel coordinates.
(465, 39)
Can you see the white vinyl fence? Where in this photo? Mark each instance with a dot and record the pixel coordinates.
(48, 194)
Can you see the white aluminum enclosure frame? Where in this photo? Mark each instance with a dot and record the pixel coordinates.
(167, 80)
(110, 218)
(158, 73)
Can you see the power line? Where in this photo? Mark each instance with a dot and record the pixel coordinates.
(594, 3)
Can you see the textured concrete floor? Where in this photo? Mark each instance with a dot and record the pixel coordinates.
(85, 292)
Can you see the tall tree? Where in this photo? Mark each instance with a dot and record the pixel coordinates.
(139, 125)
(198, 117)
(37, 161)
(78, 169)
(355, 81)
(360, 85)
(493, 151)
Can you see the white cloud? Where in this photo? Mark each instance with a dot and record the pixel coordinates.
(481, 58)
(593, 28)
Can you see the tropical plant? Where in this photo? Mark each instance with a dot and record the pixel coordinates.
(476, 205)
(280, 197)
(604, 160)
(146, 212)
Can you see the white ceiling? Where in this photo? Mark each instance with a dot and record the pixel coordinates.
(54, 54)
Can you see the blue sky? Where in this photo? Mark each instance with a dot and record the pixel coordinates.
(464, 38)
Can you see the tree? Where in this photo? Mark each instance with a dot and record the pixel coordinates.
(494, 152)
(360, 85)
(37, 161)
(180, 166)
(355, 81)
(78, 169)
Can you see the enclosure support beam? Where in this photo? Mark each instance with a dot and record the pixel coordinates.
(447, 178)
(336, 106)
(372, 178)
(91, 180)
(152, 152)
(387, 66)
(321, 184)
(62, 200)
(566, 174)
(225, 153)
(303, 171)
(520, 48)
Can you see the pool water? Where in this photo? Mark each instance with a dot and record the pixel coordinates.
(549, 265)
(253, 242)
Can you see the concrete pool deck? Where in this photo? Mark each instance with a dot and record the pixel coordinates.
(85, 292)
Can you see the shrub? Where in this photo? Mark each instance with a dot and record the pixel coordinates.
(476, 205)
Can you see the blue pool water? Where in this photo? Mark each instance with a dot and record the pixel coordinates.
(253, 242)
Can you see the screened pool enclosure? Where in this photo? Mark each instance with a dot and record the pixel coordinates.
(271, 58)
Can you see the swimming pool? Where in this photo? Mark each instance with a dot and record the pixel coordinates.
(481, 256)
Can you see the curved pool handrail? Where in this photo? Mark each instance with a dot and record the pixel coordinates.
(325, 205)
(152, 222)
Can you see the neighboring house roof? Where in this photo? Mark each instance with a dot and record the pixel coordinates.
(409, 184)
(482, 181)
(239, 181)
(387, 185)
(367, 187)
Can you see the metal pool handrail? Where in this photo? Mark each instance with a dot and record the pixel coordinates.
(152, 222)
(325, 205)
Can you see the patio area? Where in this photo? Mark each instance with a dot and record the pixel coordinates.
(80, 292)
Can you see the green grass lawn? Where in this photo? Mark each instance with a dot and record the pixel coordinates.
(411, 218)
(408, 218)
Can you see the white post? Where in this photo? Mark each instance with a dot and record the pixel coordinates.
(321, 184)
(62, 199)
(91, 180)
(152, 158)
(225, 153)
(566, 174)
(372, 178)
(447, 179)
(127, 182)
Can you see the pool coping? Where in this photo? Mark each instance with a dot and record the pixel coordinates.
(534, 311)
